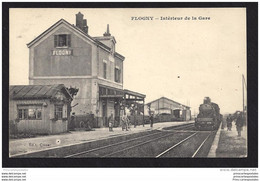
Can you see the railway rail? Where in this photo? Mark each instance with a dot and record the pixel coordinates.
(111, 145)
(183, 141)
(180, 127)
(130, 147)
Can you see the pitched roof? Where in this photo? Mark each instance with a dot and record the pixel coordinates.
(36, 91)
(168, 100)
(105, 38)
(95, 41)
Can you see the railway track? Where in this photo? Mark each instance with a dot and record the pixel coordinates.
(112, 145)
(170, 149)
(90, 152)
(181, 127)
(136, 145)
(154, 145)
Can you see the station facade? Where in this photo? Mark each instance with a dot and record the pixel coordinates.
(67, 54)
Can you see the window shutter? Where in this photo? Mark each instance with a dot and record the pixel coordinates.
(69, 40)
(55, 40)
(119, 75)
(115, 75)
(105, 70)
(64, 111)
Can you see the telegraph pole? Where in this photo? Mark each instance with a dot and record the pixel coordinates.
(243, 95)
(244, 86)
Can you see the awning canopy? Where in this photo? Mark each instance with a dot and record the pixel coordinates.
(110, 92)
(133, 96)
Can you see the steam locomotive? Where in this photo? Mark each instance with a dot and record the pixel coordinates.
(209, 116)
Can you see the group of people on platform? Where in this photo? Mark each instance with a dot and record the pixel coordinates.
(126, 123)
(239, 123)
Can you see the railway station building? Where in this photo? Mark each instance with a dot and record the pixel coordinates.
(41, 109)
(67, 54)
(165, 106)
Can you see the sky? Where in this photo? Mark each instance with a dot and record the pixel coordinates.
(183, 60)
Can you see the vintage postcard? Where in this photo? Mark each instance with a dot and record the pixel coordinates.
(128, 83)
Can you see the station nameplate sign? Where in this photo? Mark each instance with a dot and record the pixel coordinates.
(64, 52)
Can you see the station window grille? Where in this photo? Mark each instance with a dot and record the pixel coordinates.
(30, 112)
(58, 111)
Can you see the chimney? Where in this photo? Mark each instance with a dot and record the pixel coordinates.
(85, 27)
(81, 23)
(107, 33)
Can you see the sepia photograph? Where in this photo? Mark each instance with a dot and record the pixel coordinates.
(132, 83)
(128, 83)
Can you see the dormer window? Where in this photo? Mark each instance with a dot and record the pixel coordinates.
(62, 40)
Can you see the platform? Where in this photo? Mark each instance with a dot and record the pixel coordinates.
(29, 145)
(228, 144)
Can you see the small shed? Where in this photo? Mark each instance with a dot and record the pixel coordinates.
(39, 109)
(165, 106)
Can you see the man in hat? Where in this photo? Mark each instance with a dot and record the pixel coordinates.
(229, 122)
(151, 120)
(111, 122)
(239, 123)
